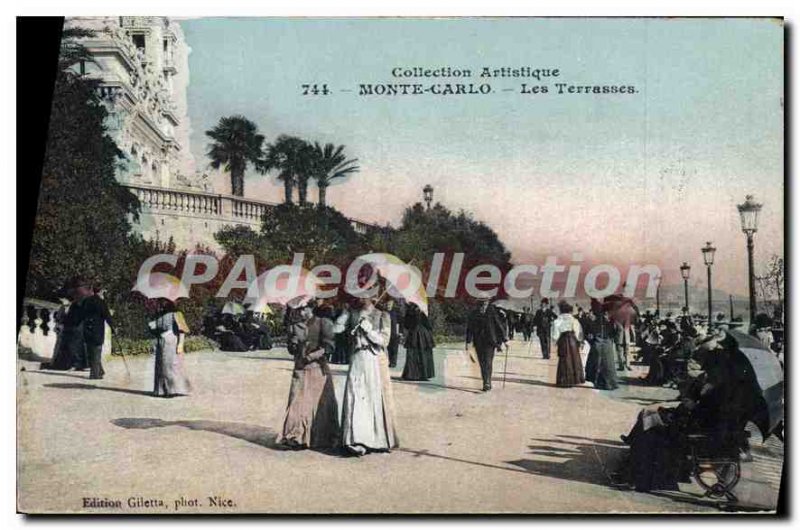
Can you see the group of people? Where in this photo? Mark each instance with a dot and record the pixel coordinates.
(238, 332)
(366, 332)
(367, 409)
(608, 341)
(408, 325)
(489, 328)
(83, 325)
(713, 404)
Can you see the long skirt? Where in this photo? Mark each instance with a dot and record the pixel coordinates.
(606, 375)
(169, 377)
(654, 461)
(368, 409)
(312, 414)
(591, 363)
(570, 368)
(655, 373)
(340, 352)
(419, 364)
(66, 352)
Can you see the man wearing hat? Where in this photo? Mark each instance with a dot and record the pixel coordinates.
(485, 330)
(95, 317)
(543, 320)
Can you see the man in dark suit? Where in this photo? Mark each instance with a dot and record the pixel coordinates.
(543, 320)
(526, 323)
(95, 316)
(486, 331)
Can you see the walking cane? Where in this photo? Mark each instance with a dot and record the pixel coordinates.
(505, 365)
(124, 360)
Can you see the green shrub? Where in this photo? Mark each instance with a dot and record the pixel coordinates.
(195, 343)
(132, 347)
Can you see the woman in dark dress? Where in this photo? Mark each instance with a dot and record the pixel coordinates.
(341, 350)
(601, 364)
(419, 345)
(69, 337)
(568, 335)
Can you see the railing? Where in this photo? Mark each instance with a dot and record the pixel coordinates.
(37, 331)
(201, 204)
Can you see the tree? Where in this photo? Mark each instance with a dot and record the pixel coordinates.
(291, 157)
(236, 143)
(329, 164)
(323, 234)
(83, 220)
(239, 240)
(425, 232)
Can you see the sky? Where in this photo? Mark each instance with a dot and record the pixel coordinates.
(643, 178)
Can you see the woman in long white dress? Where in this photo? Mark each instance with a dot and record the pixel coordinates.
(367, 410)
(169, 327)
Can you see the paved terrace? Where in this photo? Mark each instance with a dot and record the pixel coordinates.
(529, 447)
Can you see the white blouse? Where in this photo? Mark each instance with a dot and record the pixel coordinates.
(566, 322)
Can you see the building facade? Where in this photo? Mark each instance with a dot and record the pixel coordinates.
(142, 64)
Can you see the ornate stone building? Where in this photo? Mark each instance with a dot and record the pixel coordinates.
(142, 64)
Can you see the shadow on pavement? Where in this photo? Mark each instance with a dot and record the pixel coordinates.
(239, 355)
(535, 382)
(27, 355)
(254, 434)
(85, 386)
(588, 462)
(647, 401)
(64, 373)
(699, 500)
(434, 384)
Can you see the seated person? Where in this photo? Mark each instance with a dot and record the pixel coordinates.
(713, 405)
(254, 333)
(229, 335)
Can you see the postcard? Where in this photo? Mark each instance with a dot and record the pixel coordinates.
(407, 266)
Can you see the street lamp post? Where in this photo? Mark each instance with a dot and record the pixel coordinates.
(748, 212)
(427, 192)
(708, 258)
(658, 297)
(685, 268)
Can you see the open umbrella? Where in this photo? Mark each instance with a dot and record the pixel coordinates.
(508, 305)
(257, 307)
(404, 281)
(271, 288)
(620, 309)
(161, 285)
(765, 375)
(232, 308)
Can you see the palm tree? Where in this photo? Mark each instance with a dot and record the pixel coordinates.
(236, 144)
(289, 155)
(329, 164)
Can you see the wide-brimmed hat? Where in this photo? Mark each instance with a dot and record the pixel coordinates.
(299, 301)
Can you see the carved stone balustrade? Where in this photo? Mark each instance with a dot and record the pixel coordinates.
(37, 331)
(219, 208)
